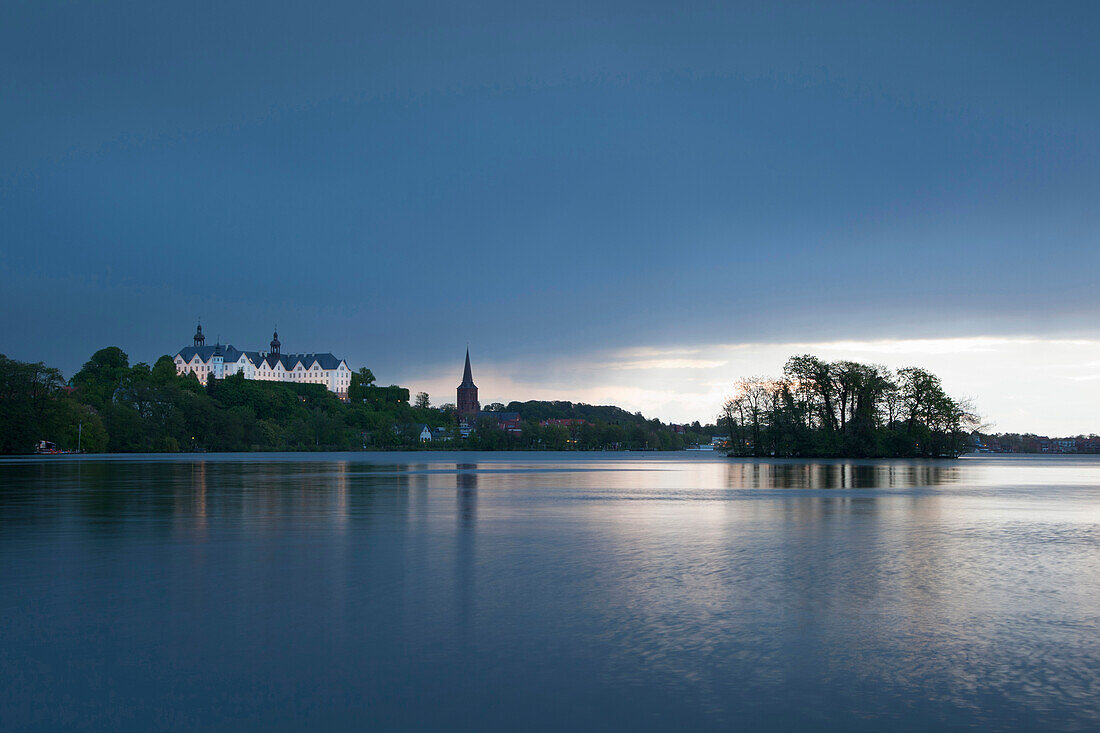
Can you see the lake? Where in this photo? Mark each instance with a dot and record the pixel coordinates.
(537, 591)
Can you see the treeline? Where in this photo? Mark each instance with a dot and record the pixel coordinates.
(633, 432)
(111, 405)
(538, 410)
(846, 409)
(605, 427)
(36, 404)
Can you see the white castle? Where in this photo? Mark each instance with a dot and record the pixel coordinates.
(273, 366)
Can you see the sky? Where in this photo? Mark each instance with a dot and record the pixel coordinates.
(624, 203)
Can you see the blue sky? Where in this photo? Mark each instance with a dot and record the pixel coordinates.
(556, 184)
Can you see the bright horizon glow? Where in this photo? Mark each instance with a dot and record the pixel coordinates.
(998, 374)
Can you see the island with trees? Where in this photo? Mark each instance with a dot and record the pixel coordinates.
(847, 409)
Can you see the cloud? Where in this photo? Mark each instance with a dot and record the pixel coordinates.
(961, 345)
(643, 352)
(665, 364)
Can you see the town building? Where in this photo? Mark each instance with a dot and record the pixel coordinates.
(563, 422)
(272, 366)
(506, 421)
(467, 405)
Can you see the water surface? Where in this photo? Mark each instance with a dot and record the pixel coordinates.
(549, 591)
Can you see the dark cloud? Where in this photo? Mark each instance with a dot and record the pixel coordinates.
(544, 178)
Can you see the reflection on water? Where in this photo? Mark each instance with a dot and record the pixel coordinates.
(841, 474)
(543, 591)
(466, 483)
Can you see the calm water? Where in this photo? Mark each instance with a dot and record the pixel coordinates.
(539, 591)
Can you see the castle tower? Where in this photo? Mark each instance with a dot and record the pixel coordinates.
(275, 344)
(467, 405)
(218, 361)
(199, 338)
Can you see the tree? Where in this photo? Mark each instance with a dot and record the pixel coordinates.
(750, 402)
(813, 379)
(556, 437)
(101, 375)
(733, 417)
(164, 371)
(360, 384)
(36, 405)
(422, 401)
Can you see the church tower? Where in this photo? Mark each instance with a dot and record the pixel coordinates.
(467, 405)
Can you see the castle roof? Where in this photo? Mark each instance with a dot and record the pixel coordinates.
(206, 352)
(289, 361)
(232, 355)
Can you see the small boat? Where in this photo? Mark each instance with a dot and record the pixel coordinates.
(47, 448)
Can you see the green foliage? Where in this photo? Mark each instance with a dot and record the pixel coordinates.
(846, 409)
(637, 433)
(101, 375)
(360, 381)
(164, 371)
(539, 410)
(36, 405)
(381, 398)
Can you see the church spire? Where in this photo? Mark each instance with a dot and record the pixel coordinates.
(467, 374)
(467, 405)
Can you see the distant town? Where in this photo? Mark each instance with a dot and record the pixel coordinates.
(1028, 443)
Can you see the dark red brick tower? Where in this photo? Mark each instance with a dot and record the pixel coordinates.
(468, 405)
